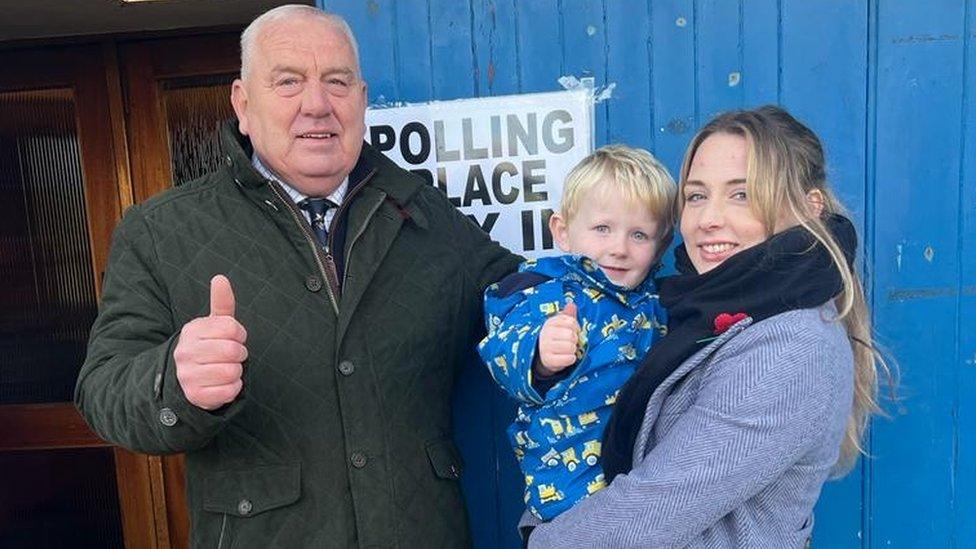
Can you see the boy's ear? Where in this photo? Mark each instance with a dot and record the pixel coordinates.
(560, 232)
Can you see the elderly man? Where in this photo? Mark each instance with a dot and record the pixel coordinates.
(293, 321)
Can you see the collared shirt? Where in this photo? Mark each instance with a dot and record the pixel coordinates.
(336, 197)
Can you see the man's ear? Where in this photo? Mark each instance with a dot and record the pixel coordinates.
(815, 202)
(560, 231)
(238, 99)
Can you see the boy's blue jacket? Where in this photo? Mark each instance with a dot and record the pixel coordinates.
(556, 435)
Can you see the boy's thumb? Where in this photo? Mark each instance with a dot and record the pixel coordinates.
(569, 310)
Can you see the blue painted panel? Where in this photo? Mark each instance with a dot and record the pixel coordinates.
(540, 56)
(454, 68)
(964, 527)
(823, 82)
(920, 51)
(630, 118)
(718, 57)
(584, 50)
(673, 79)
(760, 52)
(414, 75)
(495, 45)
(372, 24)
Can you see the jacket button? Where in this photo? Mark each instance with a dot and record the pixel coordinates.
(228, 160)
(313, 284)
(346, 368)
(358, 460)
(244, 507)
(167, 417)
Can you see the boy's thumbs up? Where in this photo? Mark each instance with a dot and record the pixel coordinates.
(569, 310)
(221, 296)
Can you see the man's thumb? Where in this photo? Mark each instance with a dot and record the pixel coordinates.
(569, 310)
(221, 297)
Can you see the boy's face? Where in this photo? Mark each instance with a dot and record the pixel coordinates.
(622, 238)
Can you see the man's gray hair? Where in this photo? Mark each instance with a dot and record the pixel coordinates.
(282, 13)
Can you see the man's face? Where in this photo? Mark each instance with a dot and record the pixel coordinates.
(303, 104)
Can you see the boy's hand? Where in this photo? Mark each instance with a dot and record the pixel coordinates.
(558, 340)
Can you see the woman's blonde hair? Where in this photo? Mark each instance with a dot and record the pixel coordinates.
(785, 162)
(635, 173)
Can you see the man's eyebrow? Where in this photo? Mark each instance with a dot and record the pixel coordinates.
(278, 69)
(347, 71)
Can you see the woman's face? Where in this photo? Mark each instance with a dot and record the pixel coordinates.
(716, 221)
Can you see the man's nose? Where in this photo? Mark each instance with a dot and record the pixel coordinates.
(315, 100)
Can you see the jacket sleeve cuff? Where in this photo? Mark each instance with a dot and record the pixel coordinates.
(181, 423)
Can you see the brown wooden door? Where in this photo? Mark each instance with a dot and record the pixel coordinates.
(59, 179)
(177, 95)
(85, 131)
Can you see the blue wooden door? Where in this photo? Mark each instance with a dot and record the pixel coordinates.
(886, 84)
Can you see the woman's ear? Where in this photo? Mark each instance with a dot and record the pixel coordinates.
(560, 231)
(815, 202)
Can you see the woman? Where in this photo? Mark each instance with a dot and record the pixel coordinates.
(766, 380)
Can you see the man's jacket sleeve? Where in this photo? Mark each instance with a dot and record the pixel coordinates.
(127, 389)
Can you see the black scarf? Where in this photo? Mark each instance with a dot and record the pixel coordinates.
(788, 271)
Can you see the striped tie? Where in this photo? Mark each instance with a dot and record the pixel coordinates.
(316, 207)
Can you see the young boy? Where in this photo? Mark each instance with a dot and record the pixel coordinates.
(565, 333)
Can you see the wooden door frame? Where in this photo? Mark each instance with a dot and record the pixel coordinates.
(144, 64)
(98, 109)
(118, 108)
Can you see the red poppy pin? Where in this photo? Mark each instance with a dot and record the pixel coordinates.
(725, 321)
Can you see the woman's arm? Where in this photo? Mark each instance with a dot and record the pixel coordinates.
(767, 397)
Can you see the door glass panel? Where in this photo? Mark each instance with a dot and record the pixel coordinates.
(48, 290)
(59, 498)
(195, 109)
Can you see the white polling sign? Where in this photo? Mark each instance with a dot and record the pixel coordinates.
(500, 160)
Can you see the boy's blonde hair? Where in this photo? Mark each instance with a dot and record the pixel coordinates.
(635, 173)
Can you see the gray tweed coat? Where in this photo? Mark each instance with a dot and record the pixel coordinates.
(734, 447)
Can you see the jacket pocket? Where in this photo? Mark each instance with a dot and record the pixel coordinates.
(445, 458)
(249, 492)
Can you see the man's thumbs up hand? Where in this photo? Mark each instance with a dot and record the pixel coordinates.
(210, 352)
(221, 297)
(558, 340)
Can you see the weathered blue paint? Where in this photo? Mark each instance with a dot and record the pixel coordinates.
(888, 85)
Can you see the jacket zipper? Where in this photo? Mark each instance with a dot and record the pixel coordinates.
(324, 260)
(342, 208)
(316, 249)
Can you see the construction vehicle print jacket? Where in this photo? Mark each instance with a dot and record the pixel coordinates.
(557, 431)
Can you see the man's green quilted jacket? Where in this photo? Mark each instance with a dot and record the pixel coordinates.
(342, 434)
